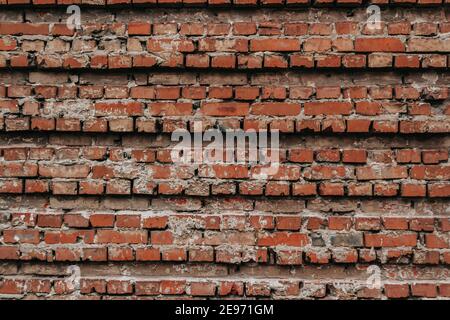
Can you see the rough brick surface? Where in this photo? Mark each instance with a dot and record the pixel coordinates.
(86, 175)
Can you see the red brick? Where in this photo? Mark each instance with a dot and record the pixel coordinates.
(385, 240)
(328, 108)
(424, 290)
(274, 45)
(379, 45)
(396, 290)
(203, 289)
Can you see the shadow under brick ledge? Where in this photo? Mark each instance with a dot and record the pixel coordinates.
(94, 205)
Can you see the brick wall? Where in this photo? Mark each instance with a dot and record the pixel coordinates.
(92, 205)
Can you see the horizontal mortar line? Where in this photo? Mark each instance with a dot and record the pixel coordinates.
(231, 272)
(250, 279)
(152, 213)
(423, 136)
(247, 197)
(259, 5)
(315, 70)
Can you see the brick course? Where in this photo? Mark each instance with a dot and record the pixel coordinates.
(87, 179)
